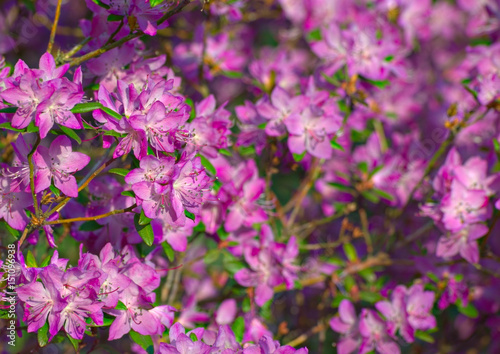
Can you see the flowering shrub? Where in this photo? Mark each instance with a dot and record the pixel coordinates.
(250, 176)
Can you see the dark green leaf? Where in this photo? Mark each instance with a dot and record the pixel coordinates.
(91, 225)
(208, 165)
(31, 128)
(115, 18)
(145, 231)
(9, 126)
(372, 197)
(340, 187)
(225, 152)
(383, 194)
(469, 310)
(8, 110)
(189, 215)
(120, 306)
(423, 336)
(143, 219)
(128, 194)
(169, 251)
(119, 171)
(71, 133)
(143, 341)
(370, 297)
(86, 107)
(212, 256)
(111, 112)
(75, 342)
(336, 145)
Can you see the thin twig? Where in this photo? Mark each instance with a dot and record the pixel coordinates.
(54, 26)
(80, 188)
(98, 52)
(90, 218)
(32, 176)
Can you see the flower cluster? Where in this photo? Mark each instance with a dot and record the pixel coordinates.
(93, 289)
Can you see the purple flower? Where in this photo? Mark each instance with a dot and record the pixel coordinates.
(311, 130)
(12, 204)
(462, 242)
(408, 311)
(346, 324)
(57, 163)
(374, 334)
(45, 95)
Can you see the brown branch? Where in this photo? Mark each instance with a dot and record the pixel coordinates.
(98, 52)
(90, 218)
(54, 26)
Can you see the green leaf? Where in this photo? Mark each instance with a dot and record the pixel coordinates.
(156, 2)
(193, 337)
(70, 133)
(128, 194)
(369, 296)
(143, 219)
(376, 83)
(8, 110)
(208, 165)
(11, 231)
(112, 133)
(238, 328)
(30, 260)
(299, 157)
(119, 171)
(225, 152)
(211, 256)
(54, 190)
(336, 145)
(189, 215)
(145, 231)
(350, 251)
(120, 306)
(75, 342)
(107, 320)
(433, 277)
(169, 251)
(86, 107)
(424, 336)
(111, 112)
(101, 4)
(262, 125)
(469, 310)
(314, 35)
(232, 74)
(340, 187)
(372, 197)
(363, 167)
(383, 194)
(143, 341)
(9, 126)
(247, 150)
(91, 225)
(31, 128)
(231, 263)
(115, 18)
(42, 335)
(46, 261)
(331, 80)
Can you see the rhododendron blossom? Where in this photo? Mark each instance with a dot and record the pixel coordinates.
(250, 177)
